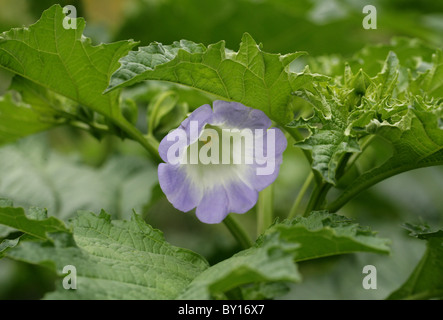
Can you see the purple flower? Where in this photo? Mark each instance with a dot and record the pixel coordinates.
(218, 160)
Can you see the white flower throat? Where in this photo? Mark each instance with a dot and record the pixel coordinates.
(218, 147)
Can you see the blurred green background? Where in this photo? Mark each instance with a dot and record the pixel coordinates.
(66, 170)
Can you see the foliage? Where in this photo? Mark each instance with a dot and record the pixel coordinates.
(357, 120)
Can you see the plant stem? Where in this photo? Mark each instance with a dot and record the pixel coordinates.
(296, 135)
(300, 196)
(148, 142)
(317, 197)
(238, 232)
(363, 147)
(265, 209)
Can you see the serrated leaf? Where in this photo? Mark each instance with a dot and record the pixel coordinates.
(413, 54)
(431, 81)
(329, 140)
(338, 109)
(388, 77)
(250, 76)
(64, 61)
(115, 260)
(269, 261)
(130, 260)
(272, 258)
(426, 281)
(416, 140)
(323, 234)
(358, 106)
(36, 225)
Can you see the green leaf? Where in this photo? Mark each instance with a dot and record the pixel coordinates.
(350, 109)
(323, 234)
(130, 260)
(426, 281)
(64, 61)
(339, 108)
(37, 224)
(431, 81)
(4, 230)
(269, 261)
(416, 141)
(413, 54)
(339, 112)
(250, 76)
(264, 290)
(329, 139)
(272, 258)
(115, 260)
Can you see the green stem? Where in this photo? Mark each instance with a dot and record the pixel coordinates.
(238, 232)
(149, 142)
(265, 209)
(363, 147)
(300, 196)
(297, 136)
(318, 197)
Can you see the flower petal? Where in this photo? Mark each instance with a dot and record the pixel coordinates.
(260, 182)
(183, 194)
(236, 115)
(241, 197)
(214, 206)
(266, 165)
(202, 115)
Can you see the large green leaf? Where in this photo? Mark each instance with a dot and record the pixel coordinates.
(37, 224)
(426, 281)
(115, 260)
(64, 61)
(340, 278)
(32, 226)
(250, 76)
(319, 235)
(130, 260)
(323, 234)
(271, 260)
